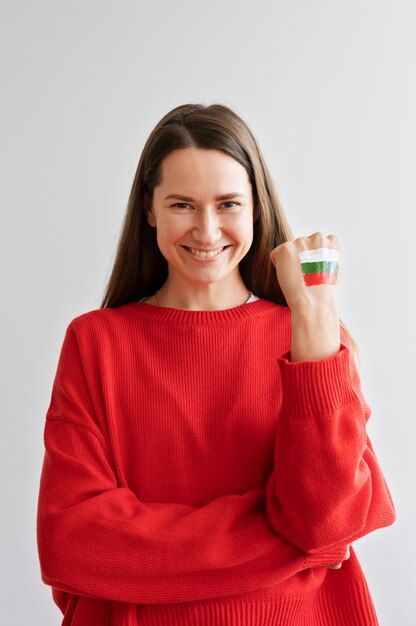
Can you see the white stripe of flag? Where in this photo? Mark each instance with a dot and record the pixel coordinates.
(319, 254)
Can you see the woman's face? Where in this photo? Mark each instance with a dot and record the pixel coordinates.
(195, 217)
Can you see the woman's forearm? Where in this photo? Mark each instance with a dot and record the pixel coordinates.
(315, 334)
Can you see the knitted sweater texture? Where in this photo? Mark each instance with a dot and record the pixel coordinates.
(194, 475)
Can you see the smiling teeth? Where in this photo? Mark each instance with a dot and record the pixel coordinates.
(206, 255)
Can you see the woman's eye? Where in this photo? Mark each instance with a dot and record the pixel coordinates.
(184, 204)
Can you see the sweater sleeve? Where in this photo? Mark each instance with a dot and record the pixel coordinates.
(327, 485)
(96, 538)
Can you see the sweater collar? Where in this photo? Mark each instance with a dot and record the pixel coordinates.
(168, 315)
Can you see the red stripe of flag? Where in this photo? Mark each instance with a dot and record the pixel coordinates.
(319, 278)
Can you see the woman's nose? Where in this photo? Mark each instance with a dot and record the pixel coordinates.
(207, 228)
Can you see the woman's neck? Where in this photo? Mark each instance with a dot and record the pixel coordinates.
(206, 301)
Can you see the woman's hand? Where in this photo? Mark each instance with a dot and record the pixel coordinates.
(315, 319)
(298, 295)
(338, 565)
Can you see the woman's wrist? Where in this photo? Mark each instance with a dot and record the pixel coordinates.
(315, 334)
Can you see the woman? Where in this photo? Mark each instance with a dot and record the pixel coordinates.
(206, 455)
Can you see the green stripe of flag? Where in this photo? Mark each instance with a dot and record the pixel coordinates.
(320, 266)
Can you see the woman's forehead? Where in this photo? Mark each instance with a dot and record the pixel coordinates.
(186, 172)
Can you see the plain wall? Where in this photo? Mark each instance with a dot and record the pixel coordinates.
(327, 87)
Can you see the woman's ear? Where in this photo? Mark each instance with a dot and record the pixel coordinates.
(149, 210)
(151, 218)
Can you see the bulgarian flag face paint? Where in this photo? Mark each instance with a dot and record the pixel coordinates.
(319, 266)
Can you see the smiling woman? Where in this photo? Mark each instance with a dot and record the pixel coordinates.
(206, 454)
(203, 239)
(202, 172)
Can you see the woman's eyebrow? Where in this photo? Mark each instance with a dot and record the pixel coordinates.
(223, 197)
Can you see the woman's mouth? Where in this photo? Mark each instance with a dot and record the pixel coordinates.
(204, 255)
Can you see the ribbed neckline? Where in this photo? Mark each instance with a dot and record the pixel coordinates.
(168, 315)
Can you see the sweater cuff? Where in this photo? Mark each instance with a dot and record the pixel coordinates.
(317, 386)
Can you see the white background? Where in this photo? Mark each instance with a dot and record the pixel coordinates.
(327, 87)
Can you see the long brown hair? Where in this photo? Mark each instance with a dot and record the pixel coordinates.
(139, 268)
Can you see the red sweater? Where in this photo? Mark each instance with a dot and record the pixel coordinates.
(194, 475)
